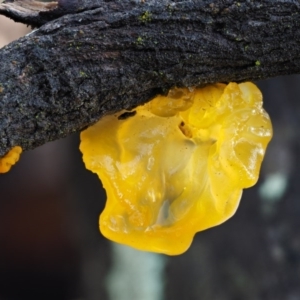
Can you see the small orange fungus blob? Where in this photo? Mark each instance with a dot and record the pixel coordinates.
(179, 165)
(9, 159)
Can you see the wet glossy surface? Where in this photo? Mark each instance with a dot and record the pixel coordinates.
(178, 166)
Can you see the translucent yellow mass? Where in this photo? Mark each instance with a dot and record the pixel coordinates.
(178, 166)
(9, 159)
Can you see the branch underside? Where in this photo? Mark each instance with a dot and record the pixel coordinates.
(118, 54)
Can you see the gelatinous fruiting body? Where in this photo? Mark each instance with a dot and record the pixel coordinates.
(9, 159)
(178, 165)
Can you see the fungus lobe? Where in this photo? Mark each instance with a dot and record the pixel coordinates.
(9, 159)
(178, 165)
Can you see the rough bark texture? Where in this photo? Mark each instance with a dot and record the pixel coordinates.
(91, 58)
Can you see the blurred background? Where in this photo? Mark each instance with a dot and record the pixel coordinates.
(50, 246)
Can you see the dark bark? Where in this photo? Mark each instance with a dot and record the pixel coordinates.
(91, 58)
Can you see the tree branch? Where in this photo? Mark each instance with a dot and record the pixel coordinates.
(91, 58)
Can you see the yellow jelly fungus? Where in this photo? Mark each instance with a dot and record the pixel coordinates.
(178, 166)
(9, 159)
